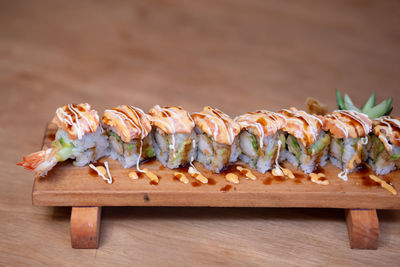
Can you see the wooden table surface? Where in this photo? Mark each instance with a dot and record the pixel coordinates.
(235, 55)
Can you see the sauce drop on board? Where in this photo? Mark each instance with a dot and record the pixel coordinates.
(366, 181)
(267, 181)
(211, 181)
(196, 184)
(279, 179)
(363, 169)
(226, 188)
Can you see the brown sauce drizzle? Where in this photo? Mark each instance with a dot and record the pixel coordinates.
(52, 136)
(366, 181)
(226, 188)
(319, 170)
(211, 181)
(196, 184)
(267, 181)
(299, 176)
(363, 168)
(180, 169)
(279, 179)
(231, 169)
(127, 115)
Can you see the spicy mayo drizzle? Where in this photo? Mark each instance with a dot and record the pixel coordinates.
(224, 129)
(352, 117)
(264, 122)
(387, 129)
(71, 115)
(308, 126)
(174, 120)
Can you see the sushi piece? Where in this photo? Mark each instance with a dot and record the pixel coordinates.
(79, 137)
(349, 131)
(217, 135)
(384, 145)
(261, 139)
(173, 136)
(128, 129)
(306, 143)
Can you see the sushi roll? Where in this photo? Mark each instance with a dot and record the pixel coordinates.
(261, 139)
(173, 136)
(384, 145)
(217, 135)
(79, 137)
(349, 133)
(128, 129)
(306, 143)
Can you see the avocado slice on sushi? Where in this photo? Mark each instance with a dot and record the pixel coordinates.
(319, 145)
(294, 146)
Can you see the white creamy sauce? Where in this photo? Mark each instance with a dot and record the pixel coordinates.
(277, 166)
(343, 175)
(341, 125)
(74, 123)
(140, 155)
(299, 117)
(108, 179)
(355, 116)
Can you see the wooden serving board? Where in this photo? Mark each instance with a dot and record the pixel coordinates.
(67, 185)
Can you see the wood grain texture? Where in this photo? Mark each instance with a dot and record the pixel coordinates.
(85, 227)
(363, 228)
(235, 55)
(67, 185)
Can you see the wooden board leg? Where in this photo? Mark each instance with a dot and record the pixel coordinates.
(363, 227)
(85, 226)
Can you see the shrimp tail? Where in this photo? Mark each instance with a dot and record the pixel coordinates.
(40, 162)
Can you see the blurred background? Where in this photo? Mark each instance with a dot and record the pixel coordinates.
(235, 55)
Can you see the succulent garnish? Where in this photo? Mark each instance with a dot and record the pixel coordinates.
(369, 108)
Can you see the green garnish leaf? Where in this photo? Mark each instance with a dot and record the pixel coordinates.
(369, 108)
(339, 100)
(370, 103)
(349, 104)
(379, 110)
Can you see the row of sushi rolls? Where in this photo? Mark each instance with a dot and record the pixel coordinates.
(263, 139)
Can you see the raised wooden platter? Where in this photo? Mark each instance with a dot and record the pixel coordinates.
(67, 185)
